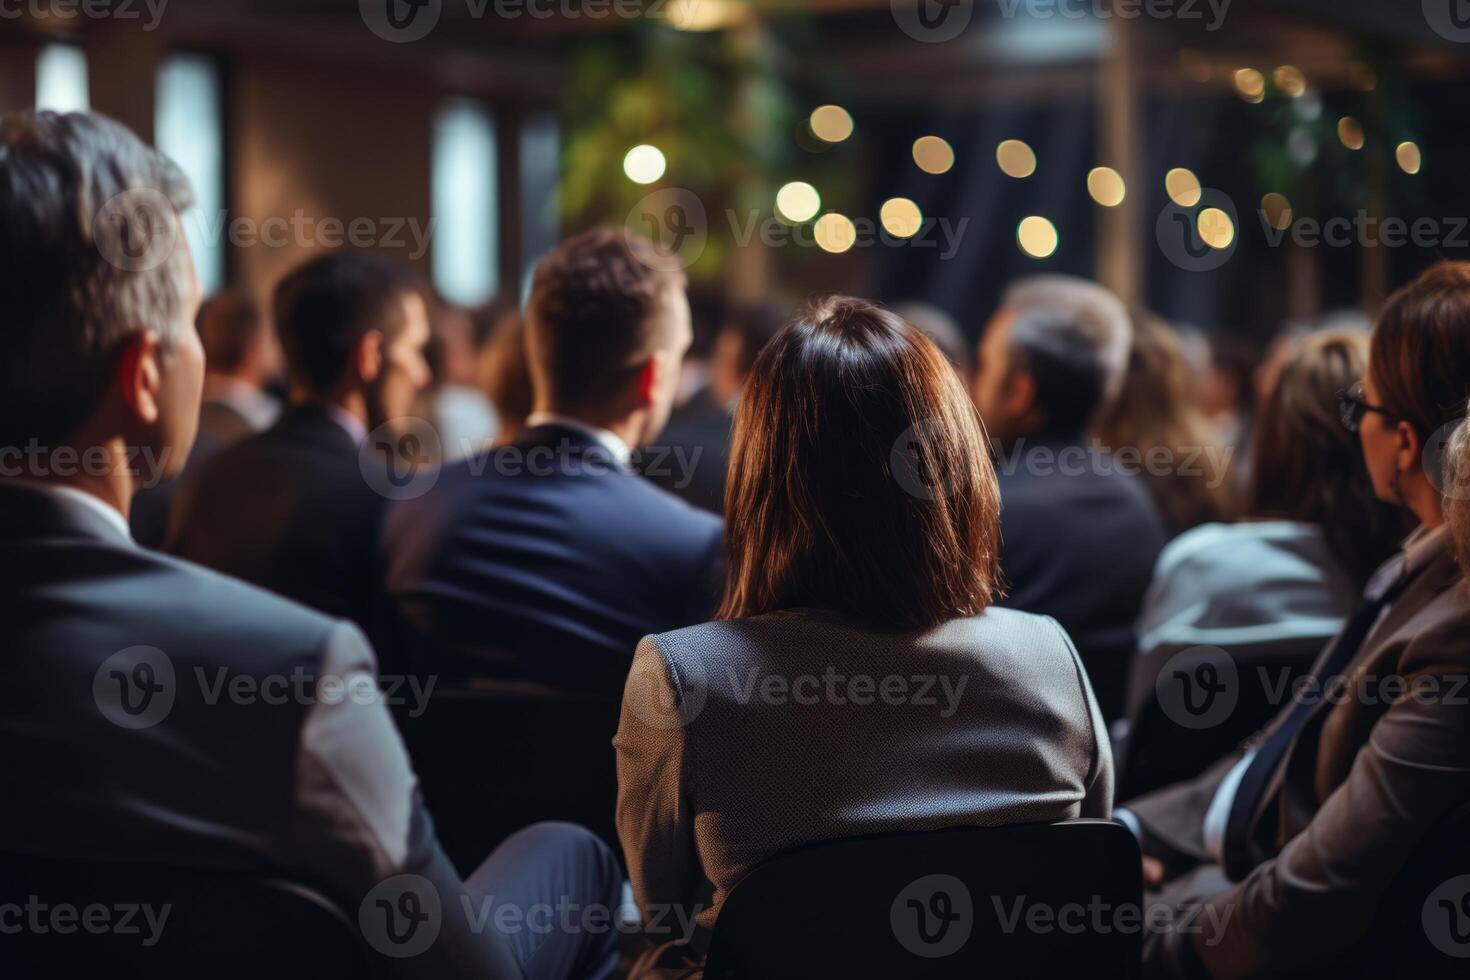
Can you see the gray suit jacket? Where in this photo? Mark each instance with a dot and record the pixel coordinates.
(157, 712)
(1370, 775)
(742, 740)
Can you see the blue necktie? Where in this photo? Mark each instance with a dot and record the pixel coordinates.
(1387, 585)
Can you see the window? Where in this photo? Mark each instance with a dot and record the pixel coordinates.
(61, 79)
(466, 210)
(189, 125)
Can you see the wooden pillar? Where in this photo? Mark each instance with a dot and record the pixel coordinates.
(122, 65)
(1121, 231)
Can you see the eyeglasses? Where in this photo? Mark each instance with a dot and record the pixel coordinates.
(1353, 404)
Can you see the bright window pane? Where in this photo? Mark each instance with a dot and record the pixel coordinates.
(466, 211)
(61, 79)
(190, 129)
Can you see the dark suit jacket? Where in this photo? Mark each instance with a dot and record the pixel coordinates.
(546, 560)
(218, 763)
(1079, 544)
(691, 457)
(289, 510)
(1368, 777)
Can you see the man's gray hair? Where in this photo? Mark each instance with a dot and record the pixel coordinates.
(1093, 316)
(91, 253)
(1456, 471)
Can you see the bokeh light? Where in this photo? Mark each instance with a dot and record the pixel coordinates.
(1277, 209)
(798, 201)
(1107, 187)
(1350, 131)
(1290, 80)
(1251, 85)
(831, 123)
(1183, 187)
(644, 164)
(1216, 229)
(1038, 237)
(835, 232)
(1016, 159)
(1411, 160)
(901, 217)
(933, 155)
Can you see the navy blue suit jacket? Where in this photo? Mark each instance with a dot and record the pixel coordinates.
(546, 560)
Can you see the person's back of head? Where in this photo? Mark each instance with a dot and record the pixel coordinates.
(1306, 467)
(353, 327)
(1416, 387)
(747, 329)
(860, 480)
(1457, 491)
(237, 339)
(943, 329)
(99, 293)
(1053, 357)
(1156, 412)
(607, 326)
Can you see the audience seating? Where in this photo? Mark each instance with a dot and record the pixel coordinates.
(838, 909)
(494, 757)
(218, 924)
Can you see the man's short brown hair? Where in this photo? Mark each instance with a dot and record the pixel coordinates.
(590, 319)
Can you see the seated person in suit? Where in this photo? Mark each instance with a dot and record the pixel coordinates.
(1284, 848)
(297, 509)
(153, 711)
(1268, 591)
(1080, 531)
(857, 679)
(694, 452)
(547, 559)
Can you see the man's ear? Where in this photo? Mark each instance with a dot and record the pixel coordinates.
(648, 379)
(368, 358)
(1019, 394)
(139, 376)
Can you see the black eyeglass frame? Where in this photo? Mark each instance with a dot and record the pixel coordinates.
(1353, 404)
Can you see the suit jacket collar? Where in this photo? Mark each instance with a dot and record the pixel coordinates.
(313, 425)
(573, 442)
(28, 511)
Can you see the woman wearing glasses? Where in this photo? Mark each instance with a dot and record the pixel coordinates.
(1321, 812)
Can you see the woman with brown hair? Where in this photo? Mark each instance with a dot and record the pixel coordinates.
(1157, 410)
(857, 679)
(1270, 590)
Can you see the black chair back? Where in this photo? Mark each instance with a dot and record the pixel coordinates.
(130, 920)
(499, 757)
(1060, 900)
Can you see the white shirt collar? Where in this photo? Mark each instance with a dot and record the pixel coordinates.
(349, 423)
(96, 505)
(254, 405)
(609, 440)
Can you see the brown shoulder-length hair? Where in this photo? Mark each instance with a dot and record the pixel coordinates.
(1306, 467)
(860, 477)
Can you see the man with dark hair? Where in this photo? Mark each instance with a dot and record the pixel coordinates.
(159, 712)
(292, 509)
(693, 454)
(1080, 533)
(241, 357)
(550, 558)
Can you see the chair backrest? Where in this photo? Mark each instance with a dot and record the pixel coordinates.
(532, 754)
(68, 920)
(1060, 900)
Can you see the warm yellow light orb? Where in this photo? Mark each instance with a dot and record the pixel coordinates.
(644, 164)
(798, 201)
(1038, 237)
